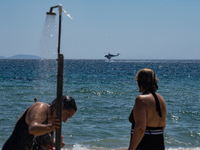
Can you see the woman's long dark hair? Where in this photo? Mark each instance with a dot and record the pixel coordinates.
(147, 80)
(68, 103)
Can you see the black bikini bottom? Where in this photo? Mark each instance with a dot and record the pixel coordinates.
(152, 140)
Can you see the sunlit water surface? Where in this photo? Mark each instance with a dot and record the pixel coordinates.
(105, 93)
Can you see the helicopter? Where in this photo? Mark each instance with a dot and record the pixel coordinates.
(109, 55)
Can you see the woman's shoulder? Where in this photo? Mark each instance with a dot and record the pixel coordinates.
(146, 99)
(140, 99)
(143, 97)
(38, 106)
(37, 111)
(159, 95)
(42, 104)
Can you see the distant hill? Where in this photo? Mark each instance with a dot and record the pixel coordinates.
(20, 56)
(2, 57)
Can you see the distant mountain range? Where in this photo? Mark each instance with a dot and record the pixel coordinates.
(20, 56)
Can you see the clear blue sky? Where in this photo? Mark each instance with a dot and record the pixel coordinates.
(137, 29)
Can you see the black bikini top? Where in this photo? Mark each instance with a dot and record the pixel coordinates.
(131, 118)
(157, 104)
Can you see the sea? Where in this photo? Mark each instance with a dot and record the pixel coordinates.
(105, 93)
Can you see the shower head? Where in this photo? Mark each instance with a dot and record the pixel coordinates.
(51, 12)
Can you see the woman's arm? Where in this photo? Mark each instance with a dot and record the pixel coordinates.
(139, 113)
(36, 115)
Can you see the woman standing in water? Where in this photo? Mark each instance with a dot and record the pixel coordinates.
(34, 129)
(148, 116)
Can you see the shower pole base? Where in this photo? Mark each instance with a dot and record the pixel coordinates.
(59, 99)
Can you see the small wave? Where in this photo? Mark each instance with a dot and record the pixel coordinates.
(83, 147)
(80, 147)
(183, 148)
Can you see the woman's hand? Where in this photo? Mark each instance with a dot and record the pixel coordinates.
(55, 123)
(62, 144)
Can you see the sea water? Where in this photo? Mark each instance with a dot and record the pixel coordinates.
(104, 92)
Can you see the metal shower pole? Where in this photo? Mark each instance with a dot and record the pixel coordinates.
(59, 80)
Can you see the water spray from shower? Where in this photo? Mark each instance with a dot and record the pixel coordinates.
(68, 15)
(51, 12)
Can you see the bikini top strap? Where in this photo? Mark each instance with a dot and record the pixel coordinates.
(46, 121)
(157, 104)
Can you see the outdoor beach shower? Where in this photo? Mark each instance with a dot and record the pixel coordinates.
(59, 75)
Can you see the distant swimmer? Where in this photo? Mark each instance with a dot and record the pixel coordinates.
(109, 56)
(34, 130)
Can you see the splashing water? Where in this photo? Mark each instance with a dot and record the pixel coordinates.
(48, 42)
(68, 15)
(48, 50)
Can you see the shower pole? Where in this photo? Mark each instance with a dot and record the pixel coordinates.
(59, 80)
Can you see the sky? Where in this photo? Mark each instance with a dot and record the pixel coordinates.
(137, 29)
